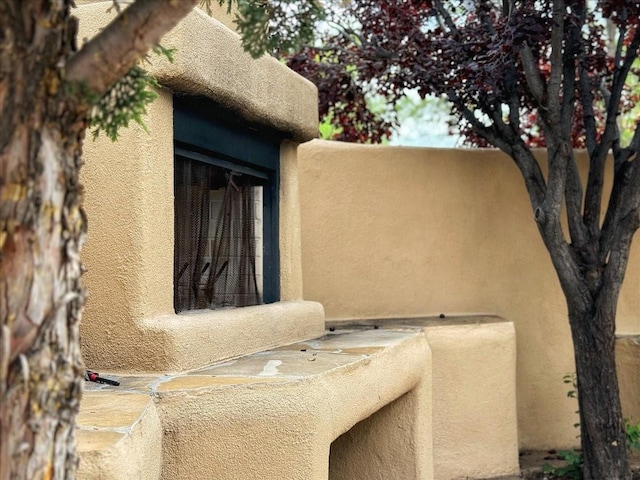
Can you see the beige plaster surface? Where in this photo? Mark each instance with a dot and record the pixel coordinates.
(274, 414)
(628, 366)
(211, 62)
(119, 437)
(290, 234)
(393, 232)
(380, 446)
(220, 12)
(129, 322)
(475, 424)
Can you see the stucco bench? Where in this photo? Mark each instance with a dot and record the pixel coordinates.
(355, 403)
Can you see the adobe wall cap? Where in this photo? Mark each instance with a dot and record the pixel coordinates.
(210, 62)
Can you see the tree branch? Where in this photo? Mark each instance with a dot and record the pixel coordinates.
(624, 200)
(556, 62)
(620, 75)
(588, 114)
(444, 14)
(633, 147)
(595, 181)
(515, 148)
(573, 200)
(618, 255)
(532, 74)
(117, 48)
(573, 187)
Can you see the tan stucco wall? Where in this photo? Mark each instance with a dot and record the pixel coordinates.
(384, 444)
(270, 415)
(210, 61)
(221, 13)
(392, 232)
(443, 408)
(628, 365)
(473, 404)
(290, 234)
(129, 322)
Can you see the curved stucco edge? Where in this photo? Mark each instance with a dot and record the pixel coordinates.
(176, 343)
(390, 374)
(299, 448)
(109, 447)
(209, 60)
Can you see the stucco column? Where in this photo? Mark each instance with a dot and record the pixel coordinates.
(290, 237)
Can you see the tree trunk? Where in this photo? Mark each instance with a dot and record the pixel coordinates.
(602, 429)
(41, 232)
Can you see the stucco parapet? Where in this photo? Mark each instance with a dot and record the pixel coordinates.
(210, 61)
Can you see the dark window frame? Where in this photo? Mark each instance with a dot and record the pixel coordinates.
(202, 132)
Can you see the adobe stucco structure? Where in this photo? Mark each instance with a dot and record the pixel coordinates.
(273, 391)
(391, 231)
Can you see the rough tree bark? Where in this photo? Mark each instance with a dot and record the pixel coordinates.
(44, 104)
(602, 429)
(603, 435)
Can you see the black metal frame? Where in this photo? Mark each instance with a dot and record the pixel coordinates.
(199, 134)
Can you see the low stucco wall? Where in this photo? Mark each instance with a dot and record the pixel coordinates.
(281, 425)
(473, 402)
(390, 231)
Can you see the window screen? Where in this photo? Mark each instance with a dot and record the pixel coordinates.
(218, 237)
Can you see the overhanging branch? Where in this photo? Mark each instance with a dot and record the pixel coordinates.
(621, 72)
(532, 74)
(556, 62)
(117, 48)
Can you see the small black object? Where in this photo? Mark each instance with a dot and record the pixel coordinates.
(375, 327)
(303, 349)
(332, 329)
(442, 315)
(90, 376)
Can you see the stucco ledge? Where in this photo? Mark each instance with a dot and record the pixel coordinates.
(195, 339)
